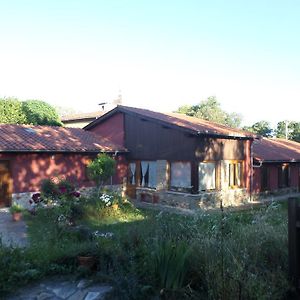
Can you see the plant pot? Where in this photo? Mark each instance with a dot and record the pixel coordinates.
(115, 206)
(86, 261)
(16, 216)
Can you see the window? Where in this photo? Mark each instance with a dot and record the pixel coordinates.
(264, 178)
(181, 176)
(148, 174)
(132, 173)
(235, 174)
(207, 176)
(283, 176)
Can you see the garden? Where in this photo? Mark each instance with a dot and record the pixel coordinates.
(147, 254)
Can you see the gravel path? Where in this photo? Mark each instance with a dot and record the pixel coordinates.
(12, 233)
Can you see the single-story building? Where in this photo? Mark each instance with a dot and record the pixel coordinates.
(80, 120)
(29, 154)
(179, 160)
(276, 167)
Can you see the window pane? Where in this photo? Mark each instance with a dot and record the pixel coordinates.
(238, 174)
(148, 170)
(207, 176)
(181, 174)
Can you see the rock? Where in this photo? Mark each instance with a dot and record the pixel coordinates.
(79, 295)
(44, 296)
(92, 296)
(64, 292)
(84, 283)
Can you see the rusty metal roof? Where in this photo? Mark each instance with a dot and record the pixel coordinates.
(276, 150)
(192, 124)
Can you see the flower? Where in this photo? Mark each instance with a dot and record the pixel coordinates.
(76, 194)
(36, 198)
(62, 189)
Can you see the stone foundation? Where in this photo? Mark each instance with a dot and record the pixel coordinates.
(204, 200)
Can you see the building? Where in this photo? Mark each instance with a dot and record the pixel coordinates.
(81, 120)
(29, 154)
(178, 160)
(276, 167)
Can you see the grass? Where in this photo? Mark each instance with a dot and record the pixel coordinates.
(148, 254)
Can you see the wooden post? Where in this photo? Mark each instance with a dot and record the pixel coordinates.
(294, 241)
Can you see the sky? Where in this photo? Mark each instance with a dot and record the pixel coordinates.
(159, 54)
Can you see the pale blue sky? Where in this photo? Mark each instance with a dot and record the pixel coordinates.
(161, 54)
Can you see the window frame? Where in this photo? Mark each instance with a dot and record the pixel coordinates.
(236, 163)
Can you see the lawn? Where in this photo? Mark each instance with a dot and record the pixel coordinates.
(148, 254)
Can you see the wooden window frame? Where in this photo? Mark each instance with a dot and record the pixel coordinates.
(236, 163)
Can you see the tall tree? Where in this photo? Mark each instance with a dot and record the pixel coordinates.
(40, 113)
(291, 129)
(262, 128)
(33, 112)
(11, 111)
(210, 110)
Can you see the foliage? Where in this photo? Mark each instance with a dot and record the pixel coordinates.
(262, 128)
(16, 208)
(211, 110)
(38, 112)
(11, 111)
(293, 129)
(35, 112)
(101, 169)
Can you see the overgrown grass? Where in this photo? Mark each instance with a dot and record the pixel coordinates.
(147, 254)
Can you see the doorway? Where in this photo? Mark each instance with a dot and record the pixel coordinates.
(5, 184)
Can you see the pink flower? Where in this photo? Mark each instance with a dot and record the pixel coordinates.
(36, 197)
(76, 194)
(63, 189)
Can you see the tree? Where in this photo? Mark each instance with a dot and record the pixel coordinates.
(101, 169)
(38, 112)
(262, 128)
(11, 111)
(35, 112)
(211, 110)
(293, 130)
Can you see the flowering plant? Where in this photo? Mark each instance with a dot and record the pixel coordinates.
(107, 199)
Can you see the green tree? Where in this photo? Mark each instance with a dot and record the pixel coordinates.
(101, 169)
(38, 112)
(210, 110)
(262, 128)
(293, 130)
(11, 111)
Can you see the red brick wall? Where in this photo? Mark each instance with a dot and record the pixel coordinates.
(28, 169)
(112, 129)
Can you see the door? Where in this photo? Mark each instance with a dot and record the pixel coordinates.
(5, 184)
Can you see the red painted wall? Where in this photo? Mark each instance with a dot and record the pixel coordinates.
(29, 169)
(112, 128)
(247, 170)
(273, 177)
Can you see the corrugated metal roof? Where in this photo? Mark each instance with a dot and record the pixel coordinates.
(26, 138)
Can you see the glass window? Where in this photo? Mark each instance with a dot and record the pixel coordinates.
(235, 174)
(181, 175)
(283, 176)
(207, 176)
(148, 174)
(132, 173)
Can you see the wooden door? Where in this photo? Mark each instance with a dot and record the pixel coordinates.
(5, 184)
(132, 184)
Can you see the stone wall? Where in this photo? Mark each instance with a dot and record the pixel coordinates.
(205, 200)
